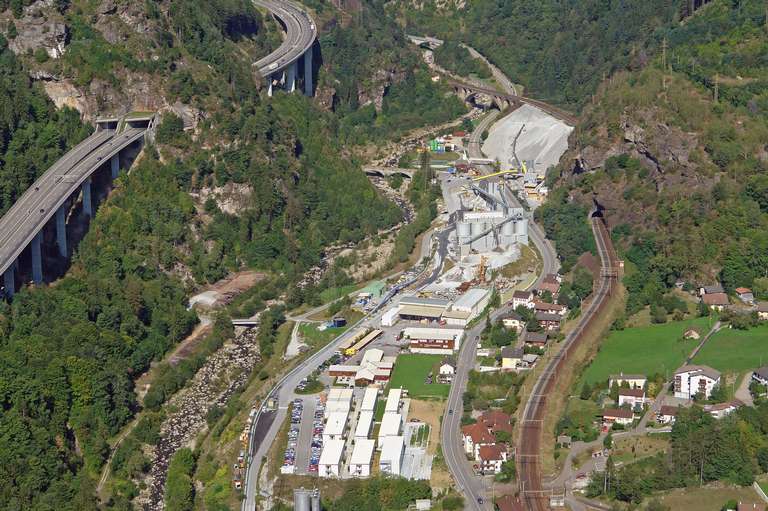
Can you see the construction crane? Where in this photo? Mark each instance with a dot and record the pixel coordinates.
(522, 170)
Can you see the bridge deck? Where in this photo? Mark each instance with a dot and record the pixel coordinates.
(300, 35)
(40, 202)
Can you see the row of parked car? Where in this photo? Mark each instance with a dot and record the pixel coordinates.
(317, 436)
(297, 409)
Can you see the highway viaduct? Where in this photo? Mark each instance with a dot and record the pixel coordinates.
(47, 210)
(281, 67)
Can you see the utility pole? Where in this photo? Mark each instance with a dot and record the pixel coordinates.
(717, 85)
(664, 54)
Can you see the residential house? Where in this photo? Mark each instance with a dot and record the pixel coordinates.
(475, 436)
(524, 298)
(514, 321)
(721, 410)
(667, 414)
(762, 310)
(496, 420)
(617, 416)
(745, 294)
(635, 398)
(446, 370)
(548, 321)
(529, 360)
(551, 308)
(717, 301)
(710, 290)
(691, 380)
(538, 339)
(491, 457)
(760, 376)
(511, 357)
(550, 283)
(635, 381)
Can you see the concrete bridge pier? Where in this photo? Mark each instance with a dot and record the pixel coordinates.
(290, 77)
(9, 282)
(308, 85)
(115, 166)
(87, 203)
(61, 230)
(37, 258)
(269, 85)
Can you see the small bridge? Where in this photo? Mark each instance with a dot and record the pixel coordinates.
(388, 171)
(503, 101)
(430, 42)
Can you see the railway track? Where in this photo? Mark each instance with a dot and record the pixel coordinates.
(528, 458)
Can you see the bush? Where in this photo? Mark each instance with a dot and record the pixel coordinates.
(169, 128)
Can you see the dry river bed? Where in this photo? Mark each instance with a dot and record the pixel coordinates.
(221, 376)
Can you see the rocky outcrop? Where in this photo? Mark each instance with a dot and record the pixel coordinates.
(374, 92)
(35, 31)
(658, 146)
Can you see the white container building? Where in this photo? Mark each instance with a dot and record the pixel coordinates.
(335, 426)
(364, 424)
(369, 399)
(393, 400)
(391, 423)
(362, 455)
(339, 400)
(392, 455)
(330, 459)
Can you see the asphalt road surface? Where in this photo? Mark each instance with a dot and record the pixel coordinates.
(41, 201)
(300, 35)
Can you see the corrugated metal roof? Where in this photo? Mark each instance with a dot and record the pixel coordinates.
(471, 298)
(421, 311)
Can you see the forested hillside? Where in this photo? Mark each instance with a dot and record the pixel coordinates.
(33, 134)
(676, 153)
(373, 76)
(560, 51)
(70, 352)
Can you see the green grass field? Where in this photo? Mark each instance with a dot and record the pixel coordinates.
(315, 337)
(735, 350)
(644, 350)
(410, 373)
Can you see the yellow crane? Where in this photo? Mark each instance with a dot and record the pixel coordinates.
(523, 170)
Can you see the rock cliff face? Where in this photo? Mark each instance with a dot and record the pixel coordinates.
(36, 30)
(42, 26)
(374, 92)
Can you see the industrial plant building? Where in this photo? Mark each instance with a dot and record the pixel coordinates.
(492, 226)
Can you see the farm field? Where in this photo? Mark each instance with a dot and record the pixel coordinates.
(411, 372)
(735, 350)
(644, 350)
(708, 498)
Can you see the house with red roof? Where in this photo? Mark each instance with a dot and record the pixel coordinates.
(474, 437)
(491, 458)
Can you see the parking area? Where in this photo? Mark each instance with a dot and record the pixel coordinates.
(310, 438)
(289, 458)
